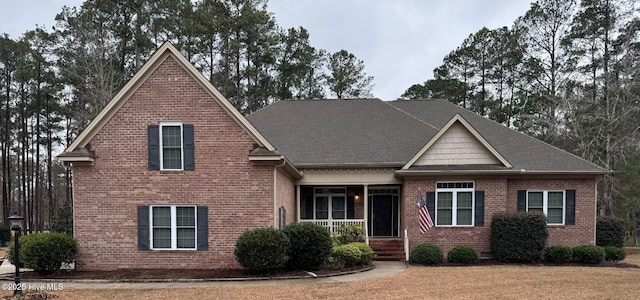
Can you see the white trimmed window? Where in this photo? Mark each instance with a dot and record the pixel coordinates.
(171, 153)
(330, 203)
(454, 204)
(173, 227)
(551, 203)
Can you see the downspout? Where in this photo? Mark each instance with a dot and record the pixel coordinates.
(595, 210)
(275, 192)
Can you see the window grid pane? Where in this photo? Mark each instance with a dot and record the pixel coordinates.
(445, 200)
(162, 216)
(555, 199)
(444, 216)
(322, 207)
(162, 238)
(463, 216)
(464, 200)
(171, 147)
(185, 216)
(186, 238)
(535, 201)
(554, 215)
(338, 207)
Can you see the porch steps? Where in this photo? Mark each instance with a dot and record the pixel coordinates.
(388, 249)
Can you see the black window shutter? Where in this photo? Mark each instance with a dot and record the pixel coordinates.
(189, 147)
(431, 205)
(143, 228)
(479, 209)
(308, 207)
(153, 145)
(522, 200)
(350, 210)
(203, 228)
(570, 213)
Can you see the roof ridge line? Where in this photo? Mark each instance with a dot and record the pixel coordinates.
(410, 115)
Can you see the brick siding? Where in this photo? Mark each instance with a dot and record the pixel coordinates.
(239, 196)
(501, 196)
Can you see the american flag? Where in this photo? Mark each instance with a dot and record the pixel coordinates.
(424, 218)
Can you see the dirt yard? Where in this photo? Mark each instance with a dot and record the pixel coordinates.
(475, 282)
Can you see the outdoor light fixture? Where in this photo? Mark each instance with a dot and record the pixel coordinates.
(16, 225)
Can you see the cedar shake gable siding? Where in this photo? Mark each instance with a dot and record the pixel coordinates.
(239, 196)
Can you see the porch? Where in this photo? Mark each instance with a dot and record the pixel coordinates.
(334, 206)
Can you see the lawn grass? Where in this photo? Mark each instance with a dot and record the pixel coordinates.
(475, 282)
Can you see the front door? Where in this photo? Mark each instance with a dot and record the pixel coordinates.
(381, 215)
(383, 212)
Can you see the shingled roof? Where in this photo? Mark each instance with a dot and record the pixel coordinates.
(371, 132)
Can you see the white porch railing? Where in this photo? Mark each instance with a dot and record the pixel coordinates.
(333, 225)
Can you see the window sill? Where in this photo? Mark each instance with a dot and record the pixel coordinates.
(174, 250)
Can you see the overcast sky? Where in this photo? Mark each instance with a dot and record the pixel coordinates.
(400, 41)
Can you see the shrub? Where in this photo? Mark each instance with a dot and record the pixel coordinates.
(558, 254)
(262, 250)
(366, 253)
(350, 234)
(426, 254)
(518, 237)
(310, 245)
(45, 252)
(609, 232)
(349, 254)
(589, 254)
(5, 236)
(614, 253)
(462, 254)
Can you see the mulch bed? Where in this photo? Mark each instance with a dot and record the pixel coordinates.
(240, 274)
(170, 274)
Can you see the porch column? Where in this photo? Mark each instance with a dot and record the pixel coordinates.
(297, 203)
(365, 198)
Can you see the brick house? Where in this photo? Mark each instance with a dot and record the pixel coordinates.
(169, 174)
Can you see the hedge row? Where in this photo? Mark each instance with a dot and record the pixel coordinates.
(430, 254)
(300, 246)
(588, 254)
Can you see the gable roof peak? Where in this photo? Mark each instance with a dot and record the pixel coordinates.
(458, 119)
(165, 51)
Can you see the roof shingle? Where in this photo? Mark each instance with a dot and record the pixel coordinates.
(371, 132)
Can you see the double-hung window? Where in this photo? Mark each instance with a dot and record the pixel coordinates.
(173, 227)
(454, 203)
(171, 154)
(330, 203)
(550, 203)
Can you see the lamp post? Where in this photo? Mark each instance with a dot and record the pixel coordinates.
(16, 225)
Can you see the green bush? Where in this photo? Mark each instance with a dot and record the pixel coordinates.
(349, 254)
(350, 234)
(589, 254)
(262, 250)
(614, 253)
(558, 254)
(463, 255)
(426, 254)
(518, 237)
(310, 245)
(45, 252)
(366, 253)
(5, 235)
(609, 232)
